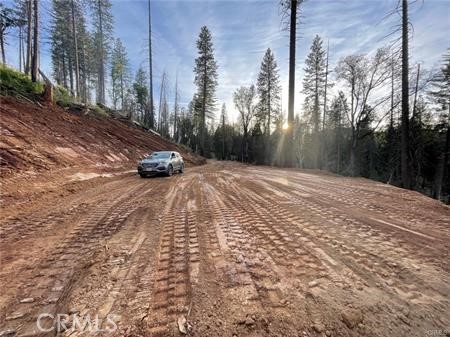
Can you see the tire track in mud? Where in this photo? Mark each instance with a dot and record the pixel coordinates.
(177, 263)
(53, 277)
(364, 198)
(19, 227)
(127, 296)
(252, 273)
(364, 260)
(348, 266)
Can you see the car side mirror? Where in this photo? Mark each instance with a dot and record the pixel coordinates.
(173, 155)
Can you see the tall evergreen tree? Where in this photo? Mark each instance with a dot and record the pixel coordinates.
(8, 20)
(206, 80)
(69, 44)
(140, 93)
(269, 91)
(103, 24)
(119, 73)
(314, 82)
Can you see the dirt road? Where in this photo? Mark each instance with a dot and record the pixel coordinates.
(235, 250)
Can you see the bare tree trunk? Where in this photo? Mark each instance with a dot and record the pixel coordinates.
(29, 35)
(288, 153)
(323, 140)
(85, 75)
(223, 136)
(70, 65)
(338, 141)
(161, 101)
(175, 126)
(2, 46)
(326, 87)
(203, 117)
(75, 44)
(64, 70)
(267, 151)
(121, 91)
(152, 106)
(22, 60)
(35, 59)
(20, 48)
(391, 120)
(353, 154)
(101, 70)
(405, 155)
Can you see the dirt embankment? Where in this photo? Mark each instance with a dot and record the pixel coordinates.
(52, 143)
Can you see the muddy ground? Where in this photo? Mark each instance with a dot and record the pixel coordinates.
(227, 250)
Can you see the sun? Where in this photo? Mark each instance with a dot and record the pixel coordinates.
(285, 126)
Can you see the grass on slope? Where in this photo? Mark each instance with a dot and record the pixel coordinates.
(14, 83)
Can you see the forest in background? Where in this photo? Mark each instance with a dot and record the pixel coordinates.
(388, 120)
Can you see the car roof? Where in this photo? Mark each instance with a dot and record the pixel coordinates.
(156, 152)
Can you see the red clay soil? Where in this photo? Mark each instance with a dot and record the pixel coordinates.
(53, 143)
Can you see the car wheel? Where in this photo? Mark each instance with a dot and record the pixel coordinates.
(170, 170)
(142, 175)
(182, 168)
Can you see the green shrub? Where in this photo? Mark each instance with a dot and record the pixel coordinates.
(62, 96)
(15, 83)
(99, 111)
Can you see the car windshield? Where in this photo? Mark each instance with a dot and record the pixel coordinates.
(159, 155)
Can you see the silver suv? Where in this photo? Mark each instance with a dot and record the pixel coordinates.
(166, 162)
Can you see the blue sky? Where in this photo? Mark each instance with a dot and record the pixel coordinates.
(243, 30)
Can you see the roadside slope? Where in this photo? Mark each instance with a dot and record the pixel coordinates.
(51, 143)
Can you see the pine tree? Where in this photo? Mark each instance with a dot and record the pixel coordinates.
(68, 46)
(119, 73)
(206, 80)
(8, 20)
(269, 90)
(140, 90)
(314, 82)
(103, 25)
